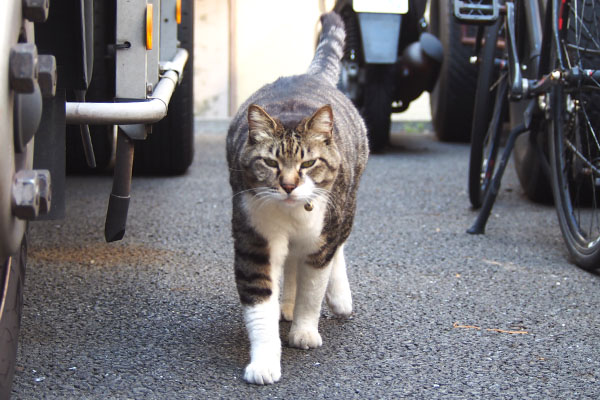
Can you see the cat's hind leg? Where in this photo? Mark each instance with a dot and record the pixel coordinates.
(288, 298)
(311, 285)
(338, 295)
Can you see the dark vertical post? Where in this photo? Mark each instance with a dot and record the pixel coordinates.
(118, 203)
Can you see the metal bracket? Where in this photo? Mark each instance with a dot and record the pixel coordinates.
(477, 12)
(144, 111)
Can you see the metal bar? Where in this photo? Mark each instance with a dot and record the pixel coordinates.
(478, 226)
(514, 64)
(136, 112)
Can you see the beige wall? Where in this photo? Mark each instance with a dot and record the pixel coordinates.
(241, 45)
(211, 58)
(273, 39)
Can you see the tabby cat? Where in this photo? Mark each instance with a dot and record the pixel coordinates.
(296, 150)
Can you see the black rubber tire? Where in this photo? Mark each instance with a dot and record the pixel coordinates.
(101, 90)
(530, 153)
(169, 149)
(484, 136)
(377, 105)
(452, 99)
(574, 148)
(11, 293)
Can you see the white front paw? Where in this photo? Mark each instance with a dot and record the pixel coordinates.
(263, 372)
(305, 339)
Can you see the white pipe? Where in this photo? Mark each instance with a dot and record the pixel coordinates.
(144, 111)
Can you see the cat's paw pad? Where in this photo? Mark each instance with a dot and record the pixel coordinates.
(340, 304)
(287, 311)
(262, 373)
(305, 339)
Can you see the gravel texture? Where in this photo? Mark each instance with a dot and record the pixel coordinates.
(438, 313)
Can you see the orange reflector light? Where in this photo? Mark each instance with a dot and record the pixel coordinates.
(149, 23)
(178, 11)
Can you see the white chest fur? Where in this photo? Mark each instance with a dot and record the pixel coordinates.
(278, 221)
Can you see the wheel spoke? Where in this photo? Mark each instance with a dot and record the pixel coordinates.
(582, 157)
(577, 125)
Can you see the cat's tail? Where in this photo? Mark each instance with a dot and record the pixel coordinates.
(329, 52)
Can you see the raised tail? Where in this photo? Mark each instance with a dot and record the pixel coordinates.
(329, 52)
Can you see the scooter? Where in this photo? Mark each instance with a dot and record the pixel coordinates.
(389, 60)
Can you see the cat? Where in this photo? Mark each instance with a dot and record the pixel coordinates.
(296, 150)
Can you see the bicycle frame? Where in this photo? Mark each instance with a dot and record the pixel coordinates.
(542, 29)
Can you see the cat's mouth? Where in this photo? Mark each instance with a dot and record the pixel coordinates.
(292, 200)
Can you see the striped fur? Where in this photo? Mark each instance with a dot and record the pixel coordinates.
(329, 50)
(296, 141)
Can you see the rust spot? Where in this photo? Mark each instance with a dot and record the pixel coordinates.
(102, 254)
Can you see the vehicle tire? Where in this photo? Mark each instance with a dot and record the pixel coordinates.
(101, 89)
(377, 105)
(487, 126)
(452, 98)
(575, 151)
(530, 153)
(169, 149)
(11, 306)
(531, 164)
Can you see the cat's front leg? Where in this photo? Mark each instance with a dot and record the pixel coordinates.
(311, 285)
(262, 324)
(258, 265)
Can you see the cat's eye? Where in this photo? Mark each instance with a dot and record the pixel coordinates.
(307, 164)
(271, 163)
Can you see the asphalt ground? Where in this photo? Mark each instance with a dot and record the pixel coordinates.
(439, 314)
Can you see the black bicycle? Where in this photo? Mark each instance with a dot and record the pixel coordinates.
(538, 69)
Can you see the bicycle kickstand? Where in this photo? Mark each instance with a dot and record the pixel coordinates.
(478, 227)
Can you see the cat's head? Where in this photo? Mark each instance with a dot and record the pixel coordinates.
(294, 163)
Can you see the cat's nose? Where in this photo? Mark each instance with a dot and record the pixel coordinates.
(288, 187)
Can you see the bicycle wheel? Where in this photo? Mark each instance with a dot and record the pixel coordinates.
(486, 128)
(575, 145)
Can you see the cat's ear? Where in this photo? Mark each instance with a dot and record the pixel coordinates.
(320, 125)
(260, 124)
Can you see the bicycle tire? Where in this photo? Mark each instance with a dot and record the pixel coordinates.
(484, 136)
(575, 151)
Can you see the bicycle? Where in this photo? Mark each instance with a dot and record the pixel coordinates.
(547, 61)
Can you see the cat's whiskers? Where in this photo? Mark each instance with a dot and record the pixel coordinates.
(323, 194)
(242, 192)
(264, 195)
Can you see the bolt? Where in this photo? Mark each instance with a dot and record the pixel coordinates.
(47, 75)
(149, 88)
(31, 193)
(45, 189)
(555, 75)
(36, 10)
(473, 60)
(543, 102)
(23, 67)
